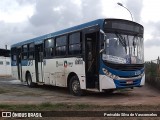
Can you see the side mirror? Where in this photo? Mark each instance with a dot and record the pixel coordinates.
(101, 51)
(104, 39)
(104, 36)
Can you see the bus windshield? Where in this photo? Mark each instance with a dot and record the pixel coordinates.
(123, 49)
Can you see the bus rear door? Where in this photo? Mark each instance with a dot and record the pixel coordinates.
(19, 66)
(39, 62)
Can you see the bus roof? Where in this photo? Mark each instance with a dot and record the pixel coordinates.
(40, 39)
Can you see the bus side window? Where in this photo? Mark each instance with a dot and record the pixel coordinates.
(49, 48)
(75, 44)
(13, 54)
(25, 52)
(61, 48)
(31, 51)
(14, 57)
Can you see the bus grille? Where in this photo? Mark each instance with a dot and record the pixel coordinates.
(125, 67)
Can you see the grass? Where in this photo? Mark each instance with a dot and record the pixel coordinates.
(76, 107)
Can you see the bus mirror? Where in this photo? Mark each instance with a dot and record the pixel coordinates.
(101, 31)
(104, 47)
(104, 39)
(101, 51)
(104, 36)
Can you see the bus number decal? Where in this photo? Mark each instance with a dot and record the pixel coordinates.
(30, 63)
(78, 61)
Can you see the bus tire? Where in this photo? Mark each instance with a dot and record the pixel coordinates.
(29, 81)
(74, 86)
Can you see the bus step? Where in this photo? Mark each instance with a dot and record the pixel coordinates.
(40, 83)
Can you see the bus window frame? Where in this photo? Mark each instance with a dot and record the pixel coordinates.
(80, 43)
(31, 51)
(14, 54)
(52, 47)
(66, 45)
(24, 52)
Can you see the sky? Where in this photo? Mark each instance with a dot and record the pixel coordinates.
(25, 19)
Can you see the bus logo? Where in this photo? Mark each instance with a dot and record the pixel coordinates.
(65, 64)
(6, 114)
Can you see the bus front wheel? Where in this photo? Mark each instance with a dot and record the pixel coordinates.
(74, 86)
(29, 81)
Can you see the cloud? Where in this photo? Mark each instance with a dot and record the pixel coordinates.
(60, 14)
(48, 16)
(135, 6)
(25, 2)
(154, 42)
(11, 33)
(154, 29)
(54, 15)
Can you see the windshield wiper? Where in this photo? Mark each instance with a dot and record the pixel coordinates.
(122, 41)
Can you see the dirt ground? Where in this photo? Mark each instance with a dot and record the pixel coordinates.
(13, 92)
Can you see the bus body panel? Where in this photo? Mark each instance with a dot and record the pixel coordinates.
(14, 72)
(106, 83)
(77, 66)
(142, 80)
(28, 66)
(56, 71)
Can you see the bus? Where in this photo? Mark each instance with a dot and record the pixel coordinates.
(104, 54)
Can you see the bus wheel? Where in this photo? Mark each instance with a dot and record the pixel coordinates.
(29, 81)
(74, 86)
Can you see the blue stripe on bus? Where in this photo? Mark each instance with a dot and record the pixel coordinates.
(119, 72)
(24, 62)
(123, 83)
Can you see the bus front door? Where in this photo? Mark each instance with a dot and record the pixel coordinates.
(91, 59)
(39, 62)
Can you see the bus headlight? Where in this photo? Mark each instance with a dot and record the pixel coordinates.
(107, 73)
(142, 74)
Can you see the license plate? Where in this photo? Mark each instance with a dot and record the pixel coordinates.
(129, 82)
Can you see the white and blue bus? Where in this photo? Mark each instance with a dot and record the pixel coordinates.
(106, 54)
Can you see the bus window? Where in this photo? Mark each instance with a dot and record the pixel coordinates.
(31, 47)
(31, 55)
(31, 51)
(61, 45)
(49, 48)
(25, 48)
(24, 55)
(14, 58)
(75, 44)
(25, 52)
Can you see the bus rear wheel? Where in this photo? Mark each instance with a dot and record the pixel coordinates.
(29, 81)
(74, 86)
